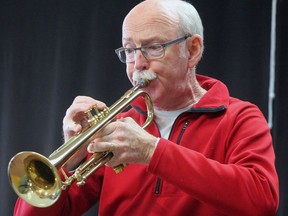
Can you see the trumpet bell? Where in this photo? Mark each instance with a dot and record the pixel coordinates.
(34, 179)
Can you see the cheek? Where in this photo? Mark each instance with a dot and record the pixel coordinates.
(129, 71)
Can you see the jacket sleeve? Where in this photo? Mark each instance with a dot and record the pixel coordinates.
(243, 183)
(74, 201)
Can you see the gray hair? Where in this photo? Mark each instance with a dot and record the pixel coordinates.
(185, 15)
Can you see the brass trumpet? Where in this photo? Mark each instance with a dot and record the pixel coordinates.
(35, 178)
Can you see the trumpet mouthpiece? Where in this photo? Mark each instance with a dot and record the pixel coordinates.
(143, 83)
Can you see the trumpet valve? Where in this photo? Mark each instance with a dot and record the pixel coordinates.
(94, 115)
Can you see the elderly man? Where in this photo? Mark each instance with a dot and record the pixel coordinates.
(205, 153)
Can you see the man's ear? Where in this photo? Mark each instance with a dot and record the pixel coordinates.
(195, 49)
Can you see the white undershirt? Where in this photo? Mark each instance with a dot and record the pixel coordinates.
(165, 119)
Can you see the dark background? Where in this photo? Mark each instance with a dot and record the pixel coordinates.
(54, 50)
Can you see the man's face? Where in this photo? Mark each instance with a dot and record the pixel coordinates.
(171, 70)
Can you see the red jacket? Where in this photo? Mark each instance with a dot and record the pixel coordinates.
(219, 160)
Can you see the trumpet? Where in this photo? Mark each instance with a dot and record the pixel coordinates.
(36, 179)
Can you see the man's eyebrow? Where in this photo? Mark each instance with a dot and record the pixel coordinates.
(146, 40)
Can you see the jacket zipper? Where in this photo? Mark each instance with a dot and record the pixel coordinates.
(182, 131)
(158, 186)
(159, 180)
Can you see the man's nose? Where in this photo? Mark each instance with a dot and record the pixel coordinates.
(140, 60)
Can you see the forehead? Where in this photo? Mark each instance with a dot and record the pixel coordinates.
(147, 23)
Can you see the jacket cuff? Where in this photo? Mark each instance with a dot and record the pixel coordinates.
(156, 157)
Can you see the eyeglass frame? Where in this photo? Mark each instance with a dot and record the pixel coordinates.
(144, 53)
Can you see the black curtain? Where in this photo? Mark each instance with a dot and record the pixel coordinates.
(52, 51)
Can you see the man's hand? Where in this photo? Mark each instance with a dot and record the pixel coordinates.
(129, 143)
(75, 121)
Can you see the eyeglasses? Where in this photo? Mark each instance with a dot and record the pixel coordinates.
(153, 51)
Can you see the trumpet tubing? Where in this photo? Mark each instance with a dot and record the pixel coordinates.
(35, 178)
